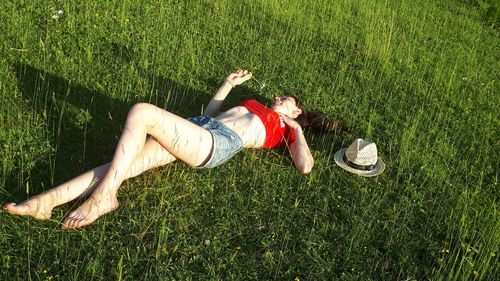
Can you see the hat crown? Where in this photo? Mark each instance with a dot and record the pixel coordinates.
(362, 152)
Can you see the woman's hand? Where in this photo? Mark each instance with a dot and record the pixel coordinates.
(290, 122)
(238, 77)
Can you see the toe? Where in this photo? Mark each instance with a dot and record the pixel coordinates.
(15, 209)
(68, 222)
(9, 206)
(65, 224)
(82, 222)
(74, 219)
(79, 223)
(72, 223)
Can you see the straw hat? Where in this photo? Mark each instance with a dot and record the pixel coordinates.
(360, 158)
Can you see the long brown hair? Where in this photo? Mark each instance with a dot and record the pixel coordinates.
(317, 121)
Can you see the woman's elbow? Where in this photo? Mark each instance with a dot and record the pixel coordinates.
(305, 168)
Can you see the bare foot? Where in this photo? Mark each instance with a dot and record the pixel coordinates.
(35, 207)
(90, 210)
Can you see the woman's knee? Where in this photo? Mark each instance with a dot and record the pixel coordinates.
(145, 111)
(140, 108)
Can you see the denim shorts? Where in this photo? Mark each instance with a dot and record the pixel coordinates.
(226, 142)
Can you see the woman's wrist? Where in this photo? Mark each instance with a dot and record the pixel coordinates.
(229, 83)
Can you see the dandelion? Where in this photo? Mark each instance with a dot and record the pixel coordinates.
(262, 85)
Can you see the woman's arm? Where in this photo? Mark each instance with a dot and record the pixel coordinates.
(234, 79)
(299, 149)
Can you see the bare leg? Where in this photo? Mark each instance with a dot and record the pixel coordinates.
(40, 206)
(183, 139)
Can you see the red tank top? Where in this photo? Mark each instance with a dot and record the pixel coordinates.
(277, 133)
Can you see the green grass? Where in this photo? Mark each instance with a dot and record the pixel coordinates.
(420, 79)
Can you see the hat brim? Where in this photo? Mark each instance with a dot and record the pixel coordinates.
(339, 159)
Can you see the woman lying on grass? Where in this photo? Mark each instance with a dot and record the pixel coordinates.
(154, 137)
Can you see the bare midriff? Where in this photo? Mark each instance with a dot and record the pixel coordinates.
(246, 124)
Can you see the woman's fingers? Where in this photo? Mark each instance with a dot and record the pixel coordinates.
(242, 72)
(289, 121)
(239, 76)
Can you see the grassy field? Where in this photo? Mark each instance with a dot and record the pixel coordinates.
(420, 78)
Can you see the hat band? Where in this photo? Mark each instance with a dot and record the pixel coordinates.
(356, 166)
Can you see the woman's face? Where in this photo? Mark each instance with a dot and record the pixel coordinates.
(286, 105)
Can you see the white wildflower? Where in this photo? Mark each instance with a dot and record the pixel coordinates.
(56, 14)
